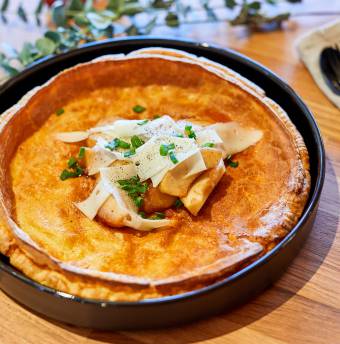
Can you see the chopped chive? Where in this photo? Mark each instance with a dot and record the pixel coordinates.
(231, 163)
(208, 144)
(134, 188)
(123, 144)
(164, 149)
(81, 153)
(156, 116)
(138, 201)
(136, 141)
(129, 153)
(179, 135)
(117, 143)
(142, 214)
(143, 122)
(190, 132)
(173, 157)
(157, 216)
(72, 162)
(178, 203)
(59, 112)
(138, 108)
(66, 174)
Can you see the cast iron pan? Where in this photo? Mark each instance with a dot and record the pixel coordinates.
(215, 298)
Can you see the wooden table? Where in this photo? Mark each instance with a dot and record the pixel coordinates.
(304, 305)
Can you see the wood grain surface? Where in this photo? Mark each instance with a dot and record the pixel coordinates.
(304, 305)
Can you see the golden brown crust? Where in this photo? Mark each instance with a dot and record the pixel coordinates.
(275, 219)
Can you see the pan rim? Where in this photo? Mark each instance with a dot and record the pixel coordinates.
(203, 46)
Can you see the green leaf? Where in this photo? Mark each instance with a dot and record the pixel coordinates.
(115, 4)
(150, 26)
(3, 17)
(230, 3)
(54, 36)
(271, 2)
(81, 19)
(131, 9)
(4, 6)
(88, 5)
(255, 5)
(22, 13)
(39, 7)
(210, 13)
(172, 19)
(58, 13)
(76, 5)
(162, 3)
(98, 21)
(45, 46)
(10, 52)
(132, 30)
(28, 54)
(11, 71)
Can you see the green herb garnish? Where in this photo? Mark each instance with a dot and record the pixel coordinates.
(76, 171)
(164, 149)
(143, 122)
(190, 132)
(178, 203)
(208, 144)
(129, 153)
(72, 162)
(136, 141)
(117, 143)
(135, 189)
(230, 162)
(156, 116)
(179, 135)
(142, 214)
(139, 109)
(81, 153)
(157, 216)
(173, 157)
(59, 112)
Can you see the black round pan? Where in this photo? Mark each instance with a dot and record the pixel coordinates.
(215, 298)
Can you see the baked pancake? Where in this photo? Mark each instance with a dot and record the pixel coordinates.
(246, 212)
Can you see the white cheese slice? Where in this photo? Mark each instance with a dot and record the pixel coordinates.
(207, 136)
(120, 128)
(148, 160)
(193, 164)
(162, 126)
(72, 136)
(97, 158)
(157, 178)
(235, 137)
(125, 209)
(119, 172)
(97, 198)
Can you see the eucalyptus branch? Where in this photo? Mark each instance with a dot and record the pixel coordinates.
(75, 22)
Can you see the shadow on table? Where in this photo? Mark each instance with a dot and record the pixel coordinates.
(319, 242)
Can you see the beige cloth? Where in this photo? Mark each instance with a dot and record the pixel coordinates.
(310, 47)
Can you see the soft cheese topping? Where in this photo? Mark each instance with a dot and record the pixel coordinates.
(153, 164)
